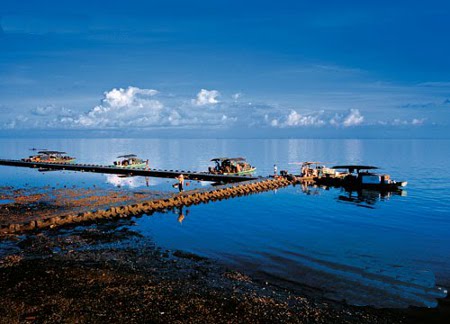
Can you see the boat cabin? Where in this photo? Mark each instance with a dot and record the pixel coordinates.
(226, 165)
(363, 176)
(315, 169)
(129, 160)
(47, 156)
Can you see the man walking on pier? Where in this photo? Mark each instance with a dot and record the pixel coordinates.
(180, 179)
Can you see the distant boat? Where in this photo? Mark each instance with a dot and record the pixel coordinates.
(130, 161)
(47, 156)
(231, 166)
(361, 176)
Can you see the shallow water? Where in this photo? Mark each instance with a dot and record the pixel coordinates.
(389, 251)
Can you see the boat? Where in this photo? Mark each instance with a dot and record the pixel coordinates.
(130, 161)
(47, 156)
(311, 169)
(361, 177)
(231, 166)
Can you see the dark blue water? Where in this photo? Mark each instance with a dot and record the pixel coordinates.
(386, 251)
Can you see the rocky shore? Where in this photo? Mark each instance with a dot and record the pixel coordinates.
(107, 273)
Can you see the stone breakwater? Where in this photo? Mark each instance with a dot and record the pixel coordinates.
(185, 199)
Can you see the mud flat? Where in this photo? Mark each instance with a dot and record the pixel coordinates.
(108, 273)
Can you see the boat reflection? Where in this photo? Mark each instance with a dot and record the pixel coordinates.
(367, 198)
(310, 188)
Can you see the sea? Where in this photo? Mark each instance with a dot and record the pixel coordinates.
(364, 248)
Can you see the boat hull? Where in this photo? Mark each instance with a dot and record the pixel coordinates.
(249, 171)
(131, 166)
(355, 184)
(71, 161)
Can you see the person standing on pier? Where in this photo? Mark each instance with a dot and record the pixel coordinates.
(275, 171)
(180, 179)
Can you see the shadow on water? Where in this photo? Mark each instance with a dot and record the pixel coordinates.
(367, 198)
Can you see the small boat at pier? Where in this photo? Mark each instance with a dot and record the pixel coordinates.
(360, 177)
(47, 156)
(130, 161)
(231, 166)
(315, 169)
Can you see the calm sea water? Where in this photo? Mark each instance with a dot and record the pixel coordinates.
(367, 249)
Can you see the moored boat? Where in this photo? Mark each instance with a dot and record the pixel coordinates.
(130, 161)
(315, 169)
(359, 177)
(231, 166)
(47, 156)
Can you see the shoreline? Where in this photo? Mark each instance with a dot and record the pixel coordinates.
(105, 272)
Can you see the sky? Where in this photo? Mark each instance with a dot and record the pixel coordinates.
(230, 68)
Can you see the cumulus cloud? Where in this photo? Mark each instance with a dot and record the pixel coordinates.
(43, 110)
(417, 121)
(138, 108)
(403, 122)
(206, 97)
(130, 107)
(317, 119)
(354, 118)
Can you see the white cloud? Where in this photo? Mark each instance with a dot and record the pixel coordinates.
(125, 97)
(136, 108)
(354, 118)
(206, 97)
(417, 121)
(318, 118)
(296, 119)
(130, 107)
(43, 110)
(236, 96)
(403, 122)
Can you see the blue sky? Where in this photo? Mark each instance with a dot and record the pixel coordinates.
(270, 69)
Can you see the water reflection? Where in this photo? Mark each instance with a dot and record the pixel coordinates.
(181, 214)
(367, 198)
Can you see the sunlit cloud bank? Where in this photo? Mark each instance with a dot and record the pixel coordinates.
(137, 108)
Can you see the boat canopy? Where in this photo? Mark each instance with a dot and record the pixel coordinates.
(311, 163)
(127, 156)
(355, 167)
(228, 159)
(51, 152)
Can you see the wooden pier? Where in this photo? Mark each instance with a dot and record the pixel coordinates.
(157, 173)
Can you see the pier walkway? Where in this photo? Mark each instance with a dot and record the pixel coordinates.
(157, 173)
